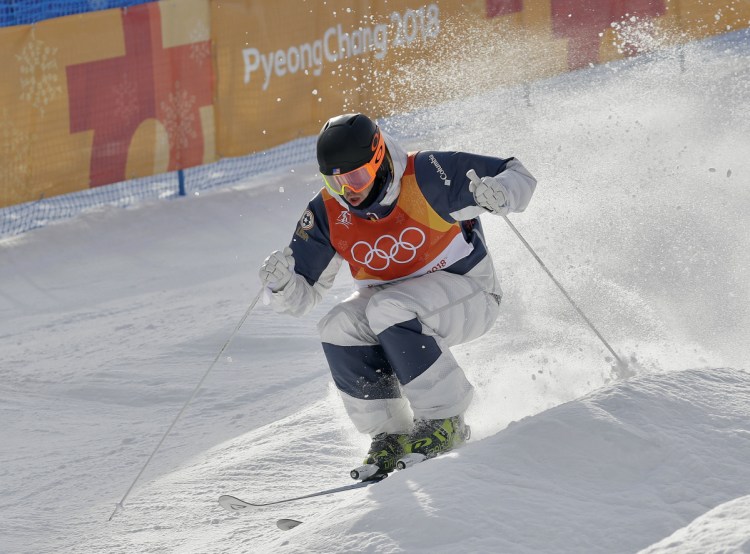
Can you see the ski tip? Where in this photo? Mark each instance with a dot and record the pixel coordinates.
(286, 524)
(232, 503)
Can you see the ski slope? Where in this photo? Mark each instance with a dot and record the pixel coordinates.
(108, 322)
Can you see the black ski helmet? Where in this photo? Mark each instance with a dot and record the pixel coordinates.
(345, 143)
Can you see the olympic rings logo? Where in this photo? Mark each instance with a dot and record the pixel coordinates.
(387, 249)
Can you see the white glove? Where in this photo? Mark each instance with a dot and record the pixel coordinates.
(489, 193)
(277, 269)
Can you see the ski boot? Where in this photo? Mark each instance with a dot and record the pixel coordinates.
(385, 451)
(431, 437)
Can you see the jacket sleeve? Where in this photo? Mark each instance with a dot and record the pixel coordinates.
(519, 183)
(316, 264)
(443, 180)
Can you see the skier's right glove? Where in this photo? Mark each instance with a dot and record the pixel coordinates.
(277, 269)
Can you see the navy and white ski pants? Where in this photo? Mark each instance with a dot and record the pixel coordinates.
(388, 349)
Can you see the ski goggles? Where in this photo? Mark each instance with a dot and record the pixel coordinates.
(362, 177)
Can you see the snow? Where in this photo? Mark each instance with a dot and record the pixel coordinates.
(108, 322)
(715, 531)
(611, 472)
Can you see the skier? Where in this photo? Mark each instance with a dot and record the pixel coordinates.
(408, 226)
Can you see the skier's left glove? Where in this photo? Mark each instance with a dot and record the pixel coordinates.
(277, 270)
(489, 193)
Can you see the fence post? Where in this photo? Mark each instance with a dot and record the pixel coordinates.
(181, 181)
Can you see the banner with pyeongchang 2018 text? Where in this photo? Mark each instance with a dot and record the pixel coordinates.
(285, 67)
(101, 97)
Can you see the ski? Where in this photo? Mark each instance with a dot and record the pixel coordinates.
(286, 524)
(234, 504)
(368, 474)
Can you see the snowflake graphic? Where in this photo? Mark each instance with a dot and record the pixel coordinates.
(342, 245)
(15, 162)
(125, 95)
(200, 48)
(179, 118)
(39, 74)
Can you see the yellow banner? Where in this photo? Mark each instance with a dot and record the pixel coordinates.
(285, 67)
(102, 97)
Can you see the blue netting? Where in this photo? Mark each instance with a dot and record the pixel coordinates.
(24, 12)
(20, 218)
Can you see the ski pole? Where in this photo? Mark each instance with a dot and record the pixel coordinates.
(564, 292)
(621, 365)
(121, 503)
